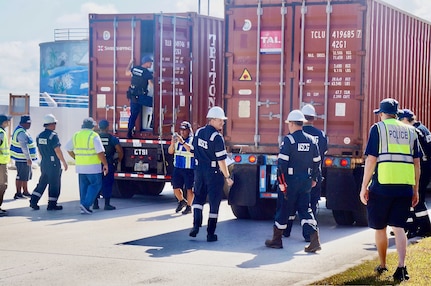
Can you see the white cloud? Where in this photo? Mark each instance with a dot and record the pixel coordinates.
(80, 20)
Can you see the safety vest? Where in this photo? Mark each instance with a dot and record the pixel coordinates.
(182, 158)
(4, 149)
(395, 161)
(83, 147)
(16, 152)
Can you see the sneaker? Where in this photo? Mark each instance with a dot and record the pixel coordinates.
(181, 205)
(109, 208)
(18, 196)
(54, 208)
(26, 194)
(3, 212)
(379, 270)
(187, 210)
(85, 210)
(34, 206)
(401, 274)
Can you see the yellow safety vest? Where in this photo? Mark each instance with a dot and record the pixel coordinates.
(395, 161)
(15, 147)
(4, 149)
(83, 147)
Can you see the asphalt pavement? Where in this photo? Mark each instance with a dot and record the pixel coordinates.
(144, 242)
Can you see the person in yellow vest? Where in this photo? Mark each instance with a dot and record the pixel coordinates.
(4, 158)
(23, 152)
(87, 149)
(391, 181)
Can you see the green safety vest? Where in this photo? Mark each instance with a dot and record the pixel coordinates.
(4, 149)
(83, 147)
(395, 161)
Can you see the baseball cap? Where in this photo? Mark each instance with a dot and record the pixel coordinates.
(88, 123)
(405, 113)
(25, 119)
(388, 105)
(185, 125)
(4, 118)
(146, 59)
(103, 124)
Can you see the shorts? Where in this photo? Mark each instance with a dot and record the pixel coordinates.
(388, 210)
(3, 175)
(183, 178)
(23, 171)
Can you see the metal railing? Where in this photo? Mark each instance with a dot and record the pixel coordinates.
(70, 34)
(63, 100)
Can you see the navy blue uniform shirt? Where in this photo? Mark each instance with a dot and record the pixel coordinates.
(208, 148)
(47, 141)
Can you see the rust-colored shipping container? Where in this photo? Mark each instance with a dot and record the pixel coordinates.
(343, 57)
(187, 49)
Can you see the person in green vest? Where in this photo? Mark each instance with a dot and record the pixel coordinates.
(87, 149)
(23, 151)
(390, 183)
(4, 158)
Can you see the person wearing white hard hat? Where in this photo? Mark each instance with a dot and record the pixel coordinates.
(310, 115)
(298, 171)
(48, 145)
(210, 171)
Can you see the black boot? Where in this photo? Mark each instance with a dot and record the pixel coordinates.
(286, 232)
(211, 236)
(197, 222)
(33, 202)
(276, 241)
(108, 206)
(96, 203)
(52, 206)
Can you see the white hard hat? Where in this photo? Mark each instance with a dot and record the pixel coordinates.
(49, 118)
(216, 112)
(295, 115)
(309, 110)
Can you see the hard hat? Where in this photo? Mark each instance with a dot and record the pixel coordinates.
(216, 112)
(49, 119)
(308, 110)
(295, 115)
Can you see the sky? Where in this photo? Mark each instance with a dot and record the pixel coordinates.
(25, 24)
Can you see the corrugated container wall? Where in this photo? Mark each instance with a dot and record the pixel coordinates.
(343, 57)
(187, 68)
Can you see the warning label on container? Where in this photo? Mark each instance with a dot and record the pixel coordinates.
(245, 76)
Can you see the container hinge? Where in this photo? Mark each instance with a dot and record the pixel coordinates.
(267, 103)
(271, 115)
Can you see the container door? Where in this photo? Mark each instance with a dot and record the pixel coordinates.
(258, 72)
(172, 75)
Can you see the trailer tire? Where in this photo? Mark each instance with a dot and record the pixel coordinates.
(343, 217)
(361, 216)
(240, 212)
(152, 188)
(264, 209)
(123, 189)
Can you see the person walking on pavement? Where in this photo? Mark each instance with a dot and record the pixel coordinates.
(299, 171)
(211, 171)
(114, 156)
(390, 183)
(48, 145)
(419, 224)
(184, 164)
(87, 149)
(4, 159)
(23, 152)
(141, 79)
(320, 137)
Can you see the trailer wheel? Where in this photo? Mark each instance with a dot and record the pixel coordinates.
(361, 216)
(152, 188)
(264, 209)
(343, 217)
(123, 189)
(241, 212)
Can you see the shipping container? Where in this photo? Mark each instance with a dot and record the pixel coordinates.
(343, 57)
(187, 49)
